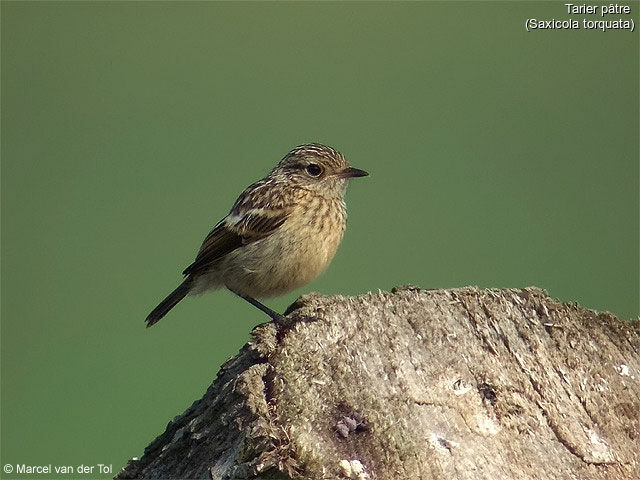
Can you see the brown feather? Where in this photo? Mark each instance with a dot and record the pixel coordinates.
(228, 236)
(218, 243)
(255, 225)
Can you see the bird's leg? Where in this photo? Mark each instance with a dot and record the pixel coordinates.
(275, 316)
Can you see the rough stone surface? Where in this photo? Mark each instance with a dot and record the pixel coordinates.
(414, 384)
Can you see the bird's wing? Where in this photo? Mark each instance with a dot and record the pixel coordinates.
(235, 230)
(220, 241)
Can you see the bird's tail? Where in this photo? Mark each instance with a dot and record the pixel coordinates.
(168, 303)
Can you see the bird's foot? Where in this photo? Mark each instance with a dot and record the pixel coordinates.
(281, 319)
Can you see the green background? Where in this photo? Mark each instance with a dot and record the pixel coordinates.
(498, 158)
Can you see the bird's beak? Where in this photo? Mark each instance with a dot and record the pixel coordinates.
(352, 172)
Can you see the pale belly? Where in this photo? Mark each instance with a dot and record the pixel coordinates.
(287, 259)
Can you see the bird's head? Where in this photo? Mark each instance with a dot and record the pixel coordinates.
(319, 168)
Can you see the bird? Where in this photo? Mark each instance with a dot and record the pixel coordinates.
(281, 233)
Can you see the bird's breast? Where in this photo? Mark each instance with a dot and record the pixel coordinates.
(292, 255)
(315, 234)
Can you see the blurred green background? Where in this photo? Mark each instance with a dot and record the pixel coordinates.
(498, 158)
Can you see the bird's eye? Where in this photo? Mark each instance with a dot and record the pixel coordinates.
(314, 169)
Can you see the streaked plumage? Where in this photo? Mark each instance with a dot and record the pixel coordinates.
(281, 233)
